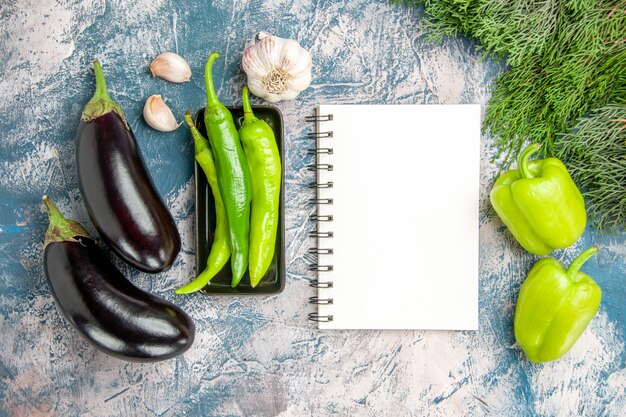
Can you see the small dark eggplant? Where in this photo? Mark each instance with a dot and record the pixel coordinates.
(119, 194)
(107, 309)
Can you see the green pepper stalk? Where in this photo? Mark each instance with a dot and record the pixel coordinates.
(540, 204)
(233, 174)
(554, 307)
(261, 150)
(220, 248)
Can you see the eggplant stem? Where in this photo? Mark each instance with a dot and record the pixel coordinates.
(101, 83)
(60, 228)
(101, 104)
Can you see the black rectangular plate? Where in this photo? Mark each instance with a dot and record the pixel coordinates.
(274, 280)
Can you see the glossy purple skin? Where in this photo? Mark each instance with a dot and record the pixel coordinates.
(108, 310)
(121, 199)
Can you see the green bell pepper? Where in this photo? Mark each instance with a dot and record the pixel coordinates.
(554, 307)
(540, 204)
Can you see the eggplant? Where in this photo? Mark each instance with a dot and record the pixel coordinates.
(119, 194)
(102, 305)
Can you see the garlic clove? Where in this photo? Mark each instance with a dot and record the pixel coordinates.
(270, 49)
(295, 59)
(255, 85)
(290, 94)
(158, 115)
(262, 93)
(301, 82)
(171, 67)
(253, 63)
(273, 98)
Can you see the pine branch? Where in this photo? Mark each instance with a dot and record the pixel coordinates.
(596, 151)
(565, 58)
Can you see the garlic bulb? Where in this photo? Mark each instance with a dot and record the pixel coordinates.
(158, 115)
(277, 69)
(170, 67)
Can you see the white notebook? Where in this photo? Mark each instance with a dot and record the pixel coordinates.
(397, 216)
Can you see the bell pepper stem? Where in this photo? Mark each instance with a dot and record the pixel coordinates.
(522, 162)
(211, 96)
(579, 261)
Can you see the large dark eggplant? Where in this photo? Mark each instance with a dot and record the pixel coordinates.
(107, 309)
(120, 197)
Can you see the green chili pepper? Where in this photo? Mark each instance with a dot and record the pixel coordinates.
(220, 249)
(554, 307)
(540, 204)
(261, 150)
(233, 175)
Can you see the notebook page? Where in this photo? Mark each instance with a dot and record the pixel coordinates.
(405, 216)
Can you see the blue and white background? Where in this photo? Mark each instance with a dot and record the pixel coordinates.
(259, 356)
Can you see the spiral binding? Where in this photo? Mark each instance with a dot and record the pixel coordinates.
(315, 267)
(322, 235)
(320, 317)
(320, 151)
(320, 284)
(317, 300)
(319, 118)
(321, 217)
(321, 251)
(328, 184)
(320, 167)
(317, 167)
(317, 201)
